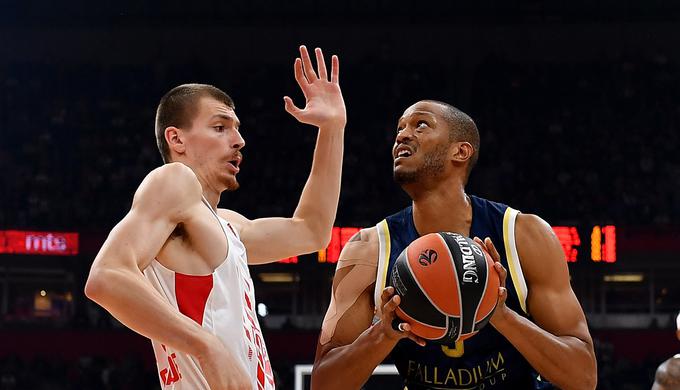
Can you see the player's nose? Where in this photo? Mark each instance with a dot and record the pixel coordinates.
(238, 142)
(405, 134)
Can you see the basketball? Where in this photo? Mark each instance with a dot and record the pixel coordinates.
(447, 285)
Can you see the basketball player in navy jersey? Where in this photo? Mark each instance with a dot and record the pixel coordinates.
(175, 269)
(537, 338)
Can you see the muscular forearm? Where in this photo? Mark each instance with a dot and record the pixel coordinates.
(128, 297)
(566, 361)
(319, 200)
(355, 361)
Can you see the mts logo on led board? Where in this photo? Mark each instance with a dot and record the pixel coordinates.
(38, 243)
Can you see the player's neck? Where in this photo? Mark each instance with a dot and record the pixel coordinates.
(446, 209)
(212, 195)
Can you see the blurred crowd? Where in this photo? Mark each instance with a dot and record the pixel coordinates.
(587, 142)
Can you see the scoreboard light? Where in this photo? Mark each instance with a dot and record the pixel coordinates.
(339, 238)
(290, 260)
(602, 243)
(570, 240)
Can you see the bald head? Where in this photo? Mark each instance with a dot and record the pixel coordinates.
(461, 129)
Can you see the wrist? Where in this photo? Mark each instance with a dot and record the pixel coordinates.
(203, 344)
(502, 318)
(333, 126)
(380, 338)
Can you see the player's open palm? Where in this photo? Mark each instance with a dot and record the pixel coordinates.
(324, 105)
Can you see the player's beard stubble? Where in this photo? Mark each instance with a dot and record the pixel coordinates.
(432, 167)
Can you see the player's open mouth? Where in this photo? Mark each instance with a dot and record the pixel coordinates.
(233, 165)
(402, 152)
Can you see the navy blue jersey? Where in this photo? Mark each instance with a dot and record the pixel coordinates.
(486, 360)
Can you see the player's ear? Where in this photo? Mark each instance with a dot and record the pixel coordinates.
(461, 151)
(175, 139)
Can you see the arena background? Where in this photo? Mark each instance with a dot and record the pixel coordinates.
(577, 102)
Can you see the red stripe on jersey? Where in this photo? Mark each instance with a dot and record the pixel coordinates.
(192, 293)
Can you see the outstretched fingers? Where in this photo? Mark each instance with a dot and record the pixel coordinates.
(307, 65)
(335, 69)
(291, 108)
(321, 64)
(300, 76)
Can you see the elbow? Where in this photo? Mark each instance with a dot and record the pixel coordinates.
(318, 381)
(591, 378)
(318, 238)
(323, 240)
(96, 286)
(587, 380)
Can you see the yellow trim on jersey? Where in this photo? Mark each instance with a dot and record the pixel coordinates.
(386, 255)
(383, 260)
(512, 256)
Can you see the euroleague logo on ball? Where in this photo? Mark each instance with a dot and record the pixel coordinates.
(427, 257)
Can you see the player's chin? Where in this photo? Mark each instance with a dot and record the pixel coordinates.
(230, 183)
(401, 175)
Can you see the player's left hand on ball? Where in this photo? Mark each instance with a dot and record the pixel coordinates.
(389, 303)
(324, 105)
(489, 247)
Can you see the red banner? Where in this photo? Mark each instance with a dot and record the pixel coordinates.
(38, 243)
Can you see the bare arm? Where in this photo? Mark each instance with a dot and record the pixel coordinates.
(558, 345)
(116, 282)
(309, 229)
(348, 342)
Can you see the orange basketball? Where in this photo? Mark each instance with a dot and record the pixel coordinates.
(448, 287)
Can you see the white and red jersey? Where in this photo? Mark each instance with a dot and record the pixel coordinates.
(223, 303)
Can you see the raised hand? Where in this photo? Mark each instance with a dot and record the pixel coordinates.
(324, 105)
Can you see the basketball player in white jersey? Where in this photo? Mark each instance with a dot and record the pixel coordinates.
(175, 268)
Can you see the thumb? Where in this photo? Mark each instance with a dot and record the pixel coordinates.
(502, 295)
(291, 108)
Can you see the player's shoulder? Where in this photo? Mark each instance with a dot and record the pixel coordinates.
(172, 176)
(362, 247)
(172, 185)
(540, 251)
(367, 236)
(531, 227)
(234, 218)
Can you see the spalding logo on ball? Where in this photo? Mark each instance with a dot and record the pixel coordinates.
(448, 287)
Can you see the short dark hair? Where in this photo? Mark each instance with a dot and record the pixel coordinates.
(178, 108)
(461, 128)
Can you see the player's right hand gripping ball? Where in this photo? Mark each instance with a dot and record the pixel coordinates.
(448, 287)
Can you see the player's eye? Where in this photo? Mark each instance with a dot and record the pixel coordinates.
(421, 124)
(219, 128)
